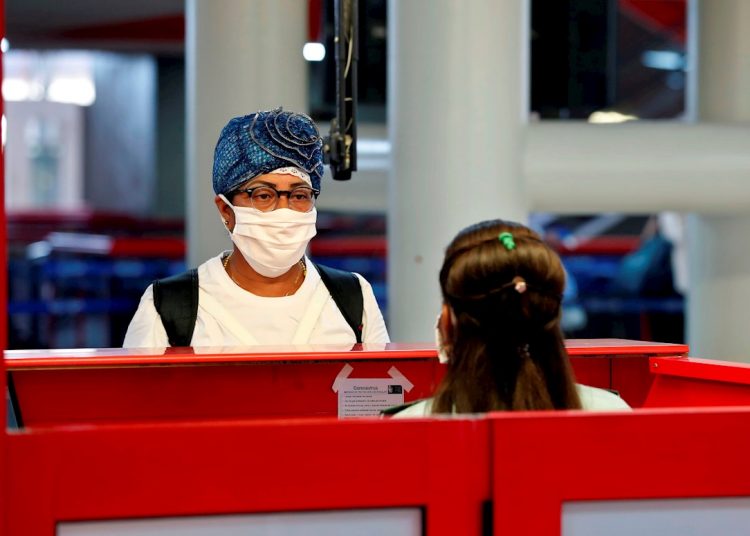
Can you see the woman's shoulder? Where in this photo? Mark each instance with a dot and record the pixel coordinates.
(592, 399)
(213, 267)
(422, 408)
(595, 399)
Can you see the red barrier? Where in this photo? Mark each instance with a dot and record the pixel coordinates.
(620, 365)
(131, 386)
(126, 472)
(117, 385)
(541, 461)
(527, 464)
(698, 382)
(3, 287)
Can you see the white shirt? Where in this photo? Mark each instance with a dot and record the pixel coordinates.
(592, 399)
(267, 321)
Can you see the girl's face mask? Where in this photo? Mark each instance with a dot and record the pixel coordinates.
(272, 242)
(441, 349)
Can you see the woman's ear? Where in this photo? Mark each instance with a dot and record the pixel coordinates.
(226, 213)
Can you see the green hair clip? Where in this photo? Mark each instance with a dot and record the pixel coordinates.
(506, 239)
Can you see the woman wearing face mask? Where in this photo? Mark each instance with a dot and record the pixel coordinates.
(499, 328)
(267, 172)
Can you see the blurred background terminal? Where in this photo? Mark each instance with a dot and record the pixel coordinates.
(107, 142)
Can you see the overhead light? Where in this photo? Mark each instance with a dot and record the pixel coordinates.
(610, 117)
(373, 146)
(4, 45)
(17, 89)
(314, 51)
(78, 90)
(665, 60)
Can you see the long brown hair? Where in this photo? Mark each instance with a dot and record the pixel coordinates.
(506, 348)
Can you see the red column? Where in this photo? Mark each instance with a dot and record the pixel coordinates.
(3, 298)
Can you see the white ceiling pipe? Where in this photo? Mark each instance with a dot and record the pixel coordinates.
(638, 167)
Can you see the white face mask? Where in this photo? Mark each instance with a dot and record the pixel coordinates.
(272, 242)
(442, 354)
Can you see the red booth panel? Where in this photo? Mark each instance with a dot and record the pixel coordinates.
(194, 392)
(695, 382)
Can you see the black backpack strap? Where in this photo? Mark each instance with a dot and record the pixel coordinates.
(346, 292)
(176, 301)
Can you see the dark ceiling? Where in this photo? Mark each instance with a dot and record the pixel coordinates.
(150, 25)
(586, 58)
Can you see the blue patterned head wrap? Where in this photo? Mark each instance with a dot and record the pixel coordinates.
(258, 143)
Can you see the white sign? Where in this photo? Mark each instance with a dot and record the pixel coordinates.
(367, 397)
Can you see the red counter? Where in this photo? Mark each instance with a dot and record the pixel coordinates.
(506, 473)
(695, 382)
(117, 385)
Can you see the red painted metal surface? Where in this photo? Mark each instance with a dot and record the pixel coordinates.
(619, 365)
(632, 379)
(4, 489)
(119, 385)
(541, 461)
(361, 246)
(704, 369)
(698, 382)
(604, 347)
(628, 375)
(376, 246)
(267, 390)
(364, 246)
(86, 357)
(124, 472)
(602, 245)
(105, 245)
(528, 464)
(593, 370)
(29, 225)
(162, 247)
(165, 28)
(3, 227)
(665, 16)
(448, 467)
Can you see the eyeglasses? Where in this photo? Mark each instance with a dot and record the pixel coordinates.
(266, 198)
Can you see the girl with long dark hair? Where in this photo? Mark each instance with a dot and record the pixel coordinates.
(499, 327)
